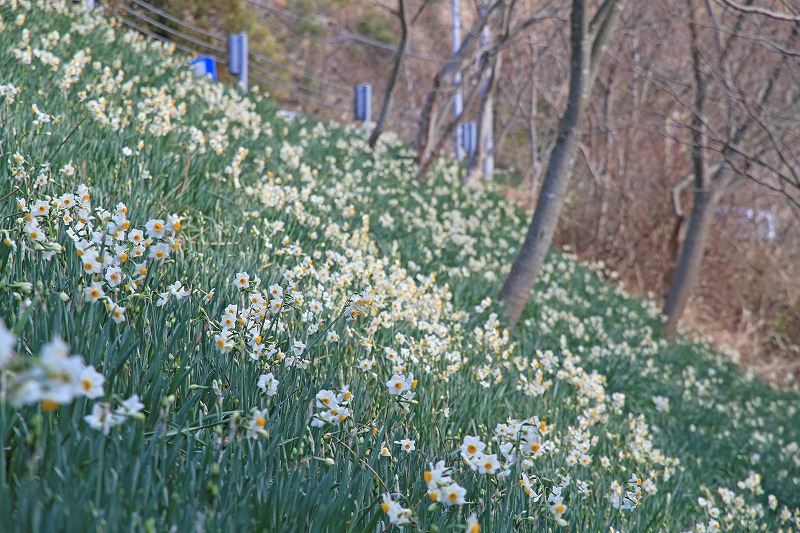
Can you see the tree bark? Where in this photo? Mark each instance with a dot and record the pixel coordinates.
(390, 84)
(430, 123)
(485, 149)
(517, 287)
(691, 256)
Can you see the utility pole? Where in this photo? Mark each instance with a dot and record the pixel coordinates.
(458, 102)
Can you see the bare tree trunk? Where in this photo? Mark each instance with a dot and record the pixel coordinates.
(485, 147)
(429, 123)
(587, 43)
(390, 84)
(691, 256)
(517, 288)
(433, 152)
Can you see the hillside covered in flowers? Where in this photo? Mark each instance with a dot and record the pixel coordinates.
(215, 316)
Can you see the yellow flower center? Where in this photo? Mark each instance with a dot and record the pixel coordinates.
(560, 509)
(260, 421)
(535, 447)
(488, 465)
(433, 496)
(452, 496)
(157, 227)
(385, 507)
(49, 405)
(476, 528)
(86, 384)
(95, 293)
(398, 385)
(472, 448)
(326, 401)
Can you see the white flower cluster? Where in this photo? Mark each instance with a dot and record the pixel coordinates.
(332, 407)
(103, 418)
(398, 515)
(55, 378)
(441, 487)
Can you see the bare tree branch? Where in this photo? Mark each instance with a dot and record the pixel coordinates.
(760, 11)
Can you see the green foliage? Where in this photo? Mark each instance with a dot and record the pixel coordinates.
(376, 25)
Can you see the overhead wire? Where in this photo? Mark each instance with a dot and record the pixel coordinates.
(156, 36)
(177, 20)
(298, 84)
(173, 31)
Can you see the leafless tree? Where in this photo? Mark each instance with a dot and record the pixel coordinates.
(400, 57)
(744, 103)
(587, 41)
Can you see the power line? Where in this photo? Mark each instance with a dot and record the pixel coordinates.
(156, 36)
(177, 20)
(321, 81)
(296, 84)
(343, 36)
(173, 31)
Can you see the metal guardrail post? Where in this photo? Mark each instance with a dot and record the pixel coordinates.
(363, 102)
(237, 58)
(469, 138)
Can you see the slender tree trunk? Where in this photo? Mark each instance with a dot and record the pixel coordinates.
(704, 202)
(691, 256)
(485, 147)
(521, 279)
(390, 84)
(429, 123)
(482, 161)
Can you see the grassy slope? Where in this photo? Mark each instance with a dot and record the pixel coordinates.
(313, 184)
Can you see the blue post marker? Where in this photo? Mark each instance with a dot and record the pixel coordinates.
(234, 54)
(237, 58)
(363, 102)
(205, 66)
(469, 138)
